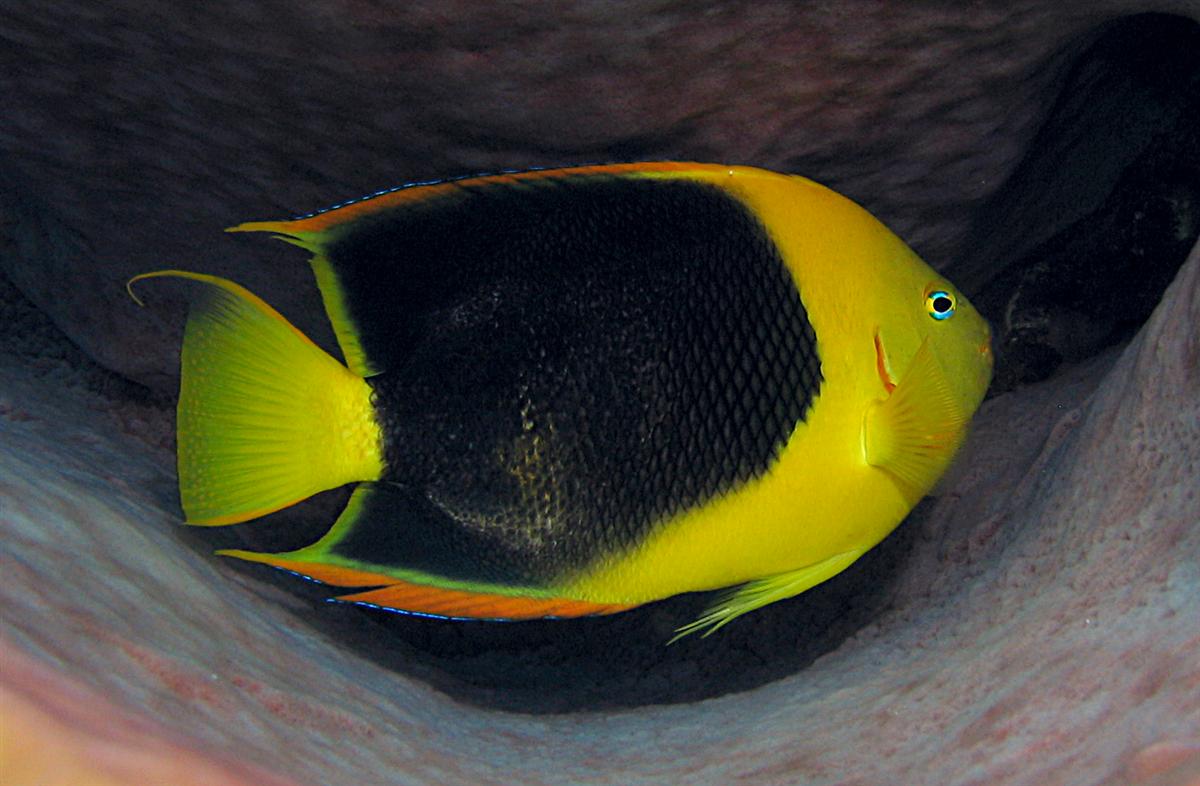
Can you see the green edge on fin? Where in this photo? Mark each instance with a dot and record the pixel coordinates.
(327, 282)
(321, 554)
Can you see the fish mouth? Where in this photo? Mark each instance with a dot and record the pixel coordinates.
(882, 365)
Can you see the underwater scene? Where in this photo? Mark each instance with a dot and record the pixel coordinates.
(736, 392)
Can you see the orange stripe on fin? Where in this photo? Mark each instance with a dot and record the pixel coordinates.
(440, 602)
(881, 365)
(427, 599)
(336, 575)
(410, 194)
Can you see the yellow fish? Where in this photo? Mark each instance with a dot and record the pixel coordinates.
(574, 391)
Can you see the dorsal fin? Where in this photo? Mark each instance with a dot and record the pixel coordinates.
(333, 295)
(384, 260)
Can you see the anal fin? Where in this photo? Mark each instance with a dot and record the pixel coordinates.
(427, 599)
(441, 602)
(324, 572)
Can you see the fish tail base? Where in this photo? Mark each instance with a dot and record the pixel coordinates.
(265, 417)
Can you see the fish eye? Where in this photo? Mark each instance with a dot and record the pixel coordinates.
(940, 304)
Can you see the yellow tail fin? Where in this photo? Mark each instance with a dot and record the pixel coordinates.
(266, 418)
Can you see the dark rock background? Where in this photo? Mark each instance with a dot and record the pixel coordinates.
(1035, 622)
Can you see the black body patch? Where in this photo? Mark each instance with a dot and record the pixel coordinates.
(566, 363)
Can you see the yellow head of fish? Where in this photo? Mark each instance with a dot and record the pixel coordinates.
(882, 317)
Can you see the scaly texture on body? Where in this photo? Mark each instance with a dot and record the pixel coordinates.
(575, 391)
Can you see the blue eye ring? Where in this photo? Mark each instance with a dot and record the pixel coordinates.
(940, 304)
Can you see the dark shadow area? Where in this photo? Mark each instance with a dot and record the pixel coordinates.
(593, 663)
(1075, 251)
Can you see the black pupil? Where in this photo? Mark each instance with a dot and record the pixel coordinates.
(941, 304)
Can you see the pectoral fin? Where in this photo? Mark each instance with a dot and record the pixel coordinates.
(915, 431)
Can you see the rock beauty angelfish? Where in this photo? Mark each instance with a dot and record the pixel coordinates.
(573, 391)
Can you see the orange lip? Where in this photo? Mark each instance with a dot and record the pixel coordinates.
(881, 364)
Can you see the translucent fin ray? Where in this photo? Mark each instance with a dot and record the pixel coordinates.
(915, 432)
(762, 592)
(265, 417)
